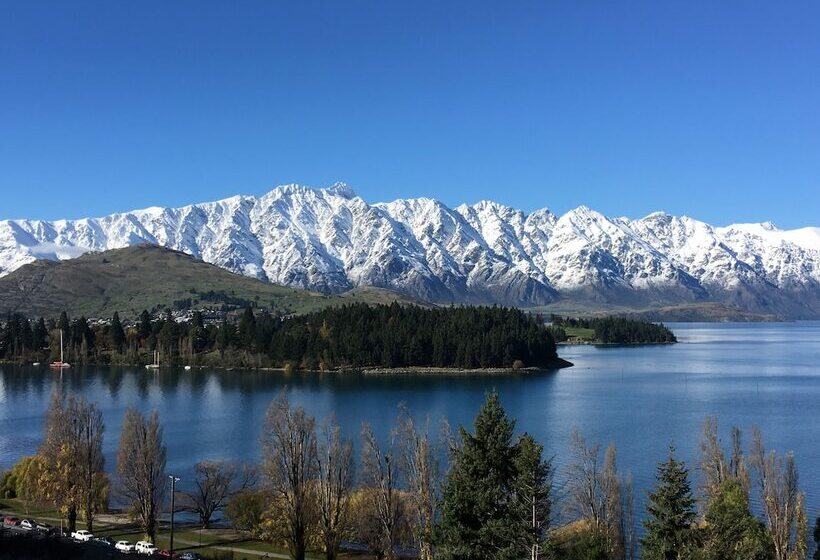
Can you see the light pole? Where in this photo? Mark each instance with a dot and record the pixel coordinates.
(174, 481)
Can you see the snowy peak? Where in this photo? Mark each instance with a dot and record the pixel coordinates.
(332, 240)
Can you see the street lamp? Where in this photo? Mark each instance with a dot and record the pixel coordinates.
(174, 481)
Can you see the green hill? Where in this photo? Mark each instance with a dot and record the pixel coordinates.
(149, 277)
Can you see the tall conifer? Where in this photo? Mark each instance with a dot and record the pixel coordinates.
(669, 528)
(479, 520)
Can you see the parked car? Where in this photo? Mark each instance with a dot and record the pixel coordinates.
(190, 556)
(144, 547)
(28, 524)
(167, 553)
(105, 541)
(82, 535)
(43, 527)
(10, 521)
(125, 547)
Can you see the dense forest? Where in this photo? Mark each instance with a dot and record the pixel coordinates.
(350, 336)
(613, 330)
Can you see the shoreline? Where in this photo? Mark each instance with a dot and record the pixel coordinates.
(595, 343)
(558, 363)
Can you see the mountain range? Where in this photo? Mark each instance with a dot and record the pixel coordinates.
(330, 240)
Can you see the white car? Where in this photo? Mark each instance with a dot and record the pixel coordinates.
(144, 547)
(27, 524)
(125, 547)
(82, 535)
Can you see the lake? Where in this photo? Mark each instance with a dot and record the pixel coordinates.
(640, 398)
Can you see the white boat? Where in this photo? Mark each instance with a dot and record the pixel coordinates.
(61, 364)
(155, 365)
(187, 368)
(36, 364)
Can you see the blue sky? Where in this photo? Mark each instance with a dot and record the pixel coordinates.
(710, 109)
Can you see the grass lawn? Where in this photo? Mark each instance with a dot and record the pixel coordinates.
(581, 333)
(216, 542)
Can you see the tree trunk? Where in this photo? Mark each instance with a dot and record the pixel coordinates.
(72, 519)
(151, 527)
(89, 512)
(330, 553)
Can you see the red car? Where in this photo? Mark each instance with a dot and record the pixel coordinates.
(167, 554)
(11, 521)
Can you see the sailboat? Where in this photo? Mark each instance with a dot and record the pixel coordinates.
(155, 365)
(61, 364)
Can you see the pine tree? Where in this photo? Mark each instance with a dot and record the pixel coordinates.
(197, 333)
(247, 329)
(145, 327)
(225, 336)
(117, 333)
(40, 335)
(817, 539)
(63, 323)
(669, 532)
(479, 520)
(533, 486)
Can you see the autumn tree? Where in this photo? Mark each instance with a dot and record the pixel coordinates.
(289, 463)
(59, 476)
(380, 476)
(246, 509)
(782, 502)
(421, 470)
(731, 530)
(213, 485)
(72, 474)
(335, 478)
(141, 468)
(596, 496)
(93, 484)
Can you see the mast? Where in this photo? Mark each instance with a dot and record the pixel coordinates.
(61, 345)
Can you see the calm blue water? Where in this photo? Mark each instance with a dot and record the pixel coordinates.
(640, 398)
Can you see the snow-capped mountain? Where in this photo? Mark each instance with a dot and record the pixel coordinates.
(332, 240)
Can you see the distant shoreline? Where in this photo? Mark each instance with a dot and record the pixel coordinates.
(558, 363)
(595, 343)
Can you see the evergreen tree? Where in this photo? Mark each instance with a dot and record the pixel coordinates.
(533, 486)
(479, 519)
(669, 531)
(197, 333)
(817, 539)
(40, 335)
(63, 324)
(117, 333)
(225, 336)
(144, 329)
(731, 530)
(168, 336)
(247, 329)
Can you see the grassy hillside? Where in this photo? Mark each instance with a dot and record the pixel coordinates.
(146, 277)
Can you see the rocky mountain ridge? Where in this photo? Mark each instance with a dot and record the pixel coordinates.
(332, 240)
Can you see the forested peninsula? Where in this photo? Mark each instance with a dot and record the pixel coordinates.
(348, 337)
(609, 330)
